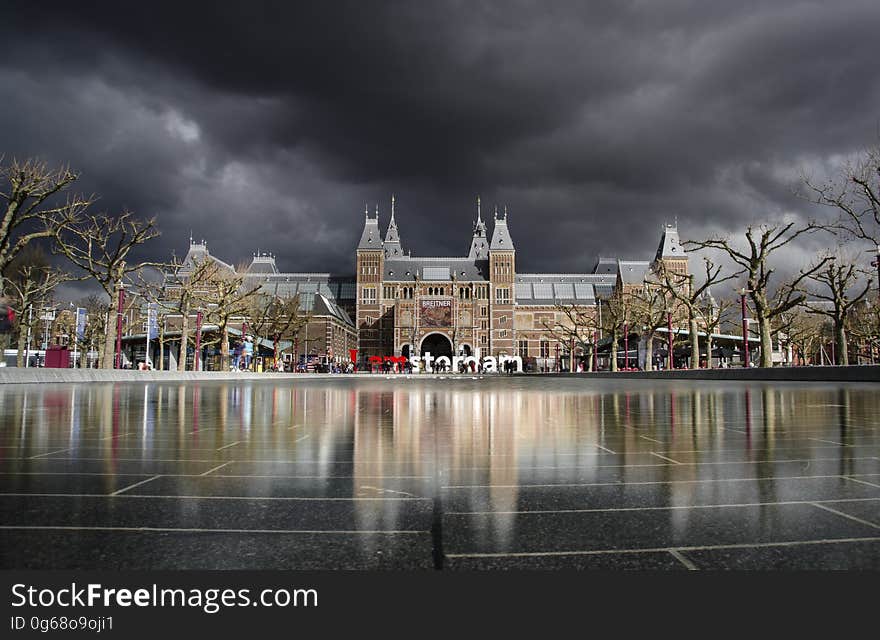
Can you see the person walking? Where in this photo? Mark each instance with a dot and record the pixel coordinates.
(248, 352)
(236, 357)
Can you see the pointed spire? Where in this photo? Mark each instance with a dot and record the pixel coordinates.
(377, 211)
(366, 211)
(479, 214)
(391, 243)
(495, 213)
(505, 212)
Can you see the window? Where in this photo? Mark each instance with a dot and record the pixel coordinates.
(484, 311)
(483, 339)
(368, 295)
(435, 273)
(502, 320)
(545, 349)
(502, 295)
(464, 293)
(502, 333)
(523, 349)
(389, 292)
(543, 291)
(484, 324)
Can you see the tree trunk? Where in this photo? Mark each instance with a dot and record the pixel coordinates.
(840, 338)
(589, 351)
(614, 338)
(649, 351)
(766, 343)
(224, 348)
(22, 345)
(162, 345)
(108, 359)
(708, 348)
(695, 340)
(184, 329)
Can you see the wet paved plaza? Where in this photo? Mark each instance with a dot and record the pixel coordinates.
(491, 473)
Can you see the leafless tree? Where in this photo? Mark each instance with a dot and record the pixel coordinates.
(100, 245)
(710, 314)
(225, 296)
(754, 262)
(834, 292)
(864, 326)
(614, 312)
(854, 193)
(95, 329)
(690, 296)
(574, 324)
(32, 210)
(650, 306)
(275, 317)
(801, 330)
(186, 284)
(30, 281)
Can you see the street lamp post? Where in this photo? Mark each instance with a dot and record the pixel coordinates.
(27, 349)
(557, 357)
(119, 307)
(198, 341)
(669, 340)
(625, 346)
(595, 351)
(70, 304)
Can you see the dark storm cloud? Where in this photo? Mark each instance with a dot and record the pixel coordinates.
(267, 126)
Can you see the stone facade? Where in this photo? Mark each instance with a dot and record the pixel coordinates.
(479, 304)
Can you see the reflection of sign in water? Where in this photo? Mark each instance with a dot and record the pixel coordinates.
(436, 313)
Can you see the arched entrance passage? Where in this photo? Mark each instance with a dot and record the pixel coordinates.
(465, 350)
(405, 351)
(437, 345)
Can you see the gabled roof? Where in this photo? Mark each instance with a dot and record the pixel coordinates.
(633, 271)
(501, 240)
(263, 263)
(606, 265)
(199, 251)
(670, 245)
(407, 269)
(371, 238)
(323, 306)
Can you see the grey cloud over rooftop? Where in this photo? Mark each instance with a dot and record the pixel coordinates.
(269, 126)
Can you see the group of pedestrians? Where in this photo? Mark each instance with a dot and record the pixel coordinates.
(243, 354)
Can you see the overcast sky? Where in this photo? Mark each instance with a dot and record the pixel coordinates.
(269, 126)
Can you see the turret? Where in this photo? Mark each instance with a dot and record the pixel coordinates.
(501, 240)
(479, 242)
(670, 253)
(393, 248)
